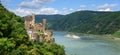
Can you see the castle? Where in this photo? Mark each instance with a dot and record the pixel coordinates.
(38, 31)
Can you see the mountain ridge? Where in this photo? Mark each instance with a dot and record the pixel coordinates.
(92, 22)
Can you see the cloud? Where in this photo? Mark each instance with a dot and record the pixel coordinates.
(82, 6)
(71, 9)
(64, 8)
(65, 11)
(48, 11)
(106, 7)
(21, 12)
(24, 12)
(33, 4)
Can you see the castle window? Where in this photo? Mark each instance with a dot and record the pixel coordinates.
(30, 24)
(31, 27)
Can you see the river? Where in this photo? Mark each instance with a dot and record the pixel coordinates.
(87, 45)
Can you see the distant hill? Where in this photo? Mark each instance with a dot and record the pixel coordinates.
(39, 18)
(92, 22)
(51, 19)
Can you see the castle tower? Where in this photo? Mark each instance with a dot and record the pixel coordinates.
(33, 18)
(44, 25)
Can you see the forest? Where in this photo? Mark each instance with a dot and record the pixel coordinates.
(88, 22)
(14, 39)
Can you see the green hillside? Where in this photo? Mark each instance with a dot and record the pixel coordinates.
(14, 39)
(92, 22)
(51, 19)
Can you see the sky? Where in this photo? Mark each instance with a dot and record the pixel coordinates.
(49, 7)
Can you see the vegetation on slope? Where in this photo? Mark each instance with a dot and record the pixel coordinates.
(14, 39)
(51, 19)
(91, 22)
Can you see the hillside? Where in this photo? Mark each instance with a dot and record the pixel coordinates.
(14, 39)
(48, 17)
(51, 19)
(92, 22)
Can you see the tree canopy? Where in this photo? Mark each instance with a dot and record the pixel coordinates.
(15, 41)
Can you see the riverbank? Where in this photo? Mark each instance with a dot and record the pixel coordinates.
(112, 37)
(99, 36)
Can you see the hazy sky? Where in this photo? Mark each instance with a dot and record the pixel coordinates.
(26, 7)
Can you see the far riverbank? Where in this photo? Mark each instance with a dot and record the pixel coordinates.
(99, 36)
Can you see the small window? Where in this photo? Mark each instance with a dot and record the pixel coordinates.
(30, 24)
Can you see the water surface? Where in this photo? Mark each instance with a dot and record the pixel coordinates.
(87, 45)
